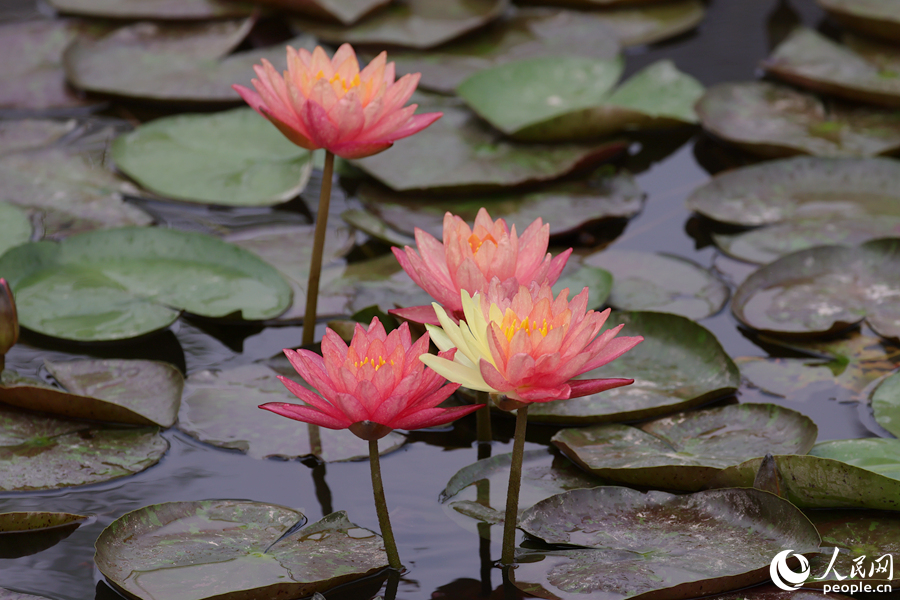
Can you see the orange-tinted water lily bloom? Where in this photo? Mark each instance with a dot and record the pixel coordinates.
(529, 348)
(371, 387)
(470, 258)
(322, 102)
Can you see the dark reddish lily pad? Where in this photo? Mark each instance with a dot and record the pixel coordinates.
(775, 121)
(824, 290)
(26, 533)
(159, 10)
(871, 17)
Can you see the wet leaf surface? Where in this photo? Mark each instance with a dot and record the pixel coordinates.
(872, 17)
(122, 283)
(638, 544)
(885, 401)
(6, 594)
(26, 533)
(680, 364)
(870, 535)
(175, 10)
(775, 121)
(15, 226)
(881, 455)
(235, 158)
(222, 409)
(410, 23)
(660, 282)
(378, 281)
(217, 549)
(458, 154)
(824, 290)
(28, 134)
(343, 11)
(770, 592)
(683, 451)
(46, 453)
(138, 392)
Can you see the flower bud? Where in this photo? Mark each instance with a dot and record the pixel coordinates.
(9, 321)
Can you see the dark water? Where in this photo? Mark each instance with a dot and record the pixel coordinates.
(443, 560)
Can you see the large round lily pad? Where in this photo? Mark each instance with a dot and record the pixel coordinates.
(881, 455)
(458, 154)
(410, 23)
(15, 226)
(234, 158)
(160, 10)
(26, 533)
(872, 17)
(139, 392)
(886, 404)
(825, 290)
(222, 409)
(680, 364)
(121, 283)
(45, 453)
(220, 549)
(683, 451)
(661, 282)
(775, 121)
(809, 59)
(657, 545)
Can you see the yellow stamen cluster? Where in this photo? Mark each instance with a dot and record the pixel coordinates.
(513, 326)
(376, 365)
(475, 242)
(356, 81)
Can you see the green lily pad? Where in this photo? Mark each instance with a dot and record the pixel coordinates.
(809, 59)
(662, 282)
(679, 365)
(477, 492)
(812, 481)
(880, 455)
(824, 290)
(15, 226)
(222, 409)
(803, 187)
(410, 23)
(864, 538)
(573, 204)
(233, 158)
(26, 533)
(160, 10)
(342, 11)
(220, 549)
(46, 453)
(28, 134)
(683, 451)
(458, 154)
(886, 403)
(658, 545)
(650, 23)
(571, 98)
(577, 275)
(6, 594)
(122, 283)
(138, 392)
(775, 121)
(871, 17)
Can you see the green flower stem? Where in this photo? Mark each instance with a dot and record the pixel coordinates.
(515, 482)
(315, 264)
(384, 522)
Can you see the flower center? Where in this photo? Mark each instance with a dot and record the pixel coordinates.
(336, 78)
(526, 325)
(475, 242)
(376, 363)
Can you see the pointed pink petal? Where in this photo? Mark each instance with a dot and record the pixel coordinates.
(584, 387)
(305, 414)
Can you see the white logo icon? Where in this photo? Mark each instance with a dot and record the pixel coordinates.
(783, 576)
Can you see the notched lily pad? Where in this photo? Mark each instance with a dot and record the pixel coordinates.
(886, 403)
(235, 158)
(872, 17)
(683, 451)
(460, 155)
(220, 549)
(679, 365)
(46, 453)
(26, 533)
(222, 409)
(775, 121)
(662, 282)
(651, 545)
(138, 392)
(122, 283)
(824, 290)
(160, 10)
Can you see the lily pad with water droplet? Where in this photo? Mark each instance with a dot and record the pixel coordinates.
(26, 533)
(160, 10)
(775, 121)
(235, 158)
(657, 545)
(410, 23)
(810, 60)
(46, 453)
(218, 549)
(221, 408)
(871, 535)
(885, 402)
(683, 451)
(871, 17)
(824, 290)
(138, 392)
(122, 283)
(661, 282)
(458, 154)
(679, 365)
(15, 226)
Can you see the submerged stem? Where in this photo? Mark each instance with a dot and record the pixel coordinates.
(483, 423)
(384, 522)
(515, 482)
(315, 264)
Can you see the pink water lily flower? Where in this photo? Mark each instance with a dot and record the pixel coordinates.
(530, 347)
(329, 103)
(371, 387)
(470, 258)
